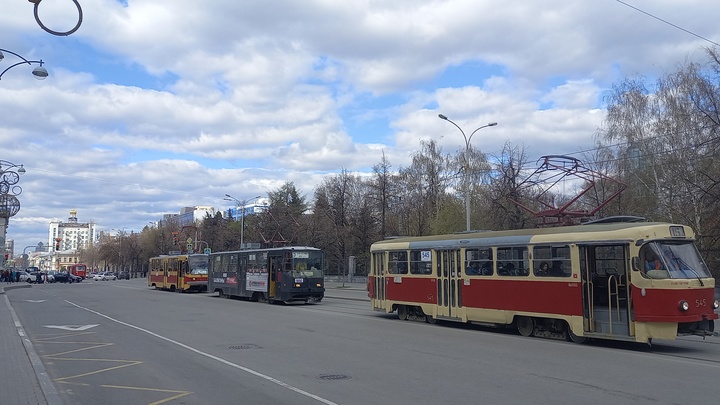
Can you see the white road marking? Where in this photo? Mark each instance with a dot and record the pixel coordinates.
(210, 356)
(72, 328)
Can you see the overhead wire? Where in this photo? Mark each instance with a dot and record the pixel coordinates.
(669, 23)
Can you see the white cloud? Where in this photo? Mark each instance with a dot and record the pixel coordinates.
(155, 105)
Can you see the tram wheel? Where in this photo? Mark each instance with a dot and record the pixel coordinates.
(429, 319)
(525, 325)
(573, 337)
(402, 312)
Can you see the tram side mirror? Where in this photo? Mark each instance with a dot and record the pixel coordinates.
(636, 263)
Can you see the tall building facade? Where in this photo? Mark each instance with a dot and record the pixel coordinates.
(189, 216)
(71, 235)
(250, 209)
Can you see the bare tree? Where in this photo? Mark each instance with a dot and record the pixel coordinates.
(383, 189)
(502, 188)
(667, 143)
(279, 225)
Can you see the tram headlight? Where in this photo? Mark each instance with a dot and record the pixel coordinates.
(319, 285)
(716, 304)
(297, 285)
(684, 306)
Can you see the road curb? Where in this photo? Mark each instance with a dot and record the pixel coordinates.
(12, 287)
(43, 378)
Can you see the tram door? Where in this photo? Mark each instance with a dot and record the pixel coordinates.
(604, 275)
(449, 282)
(275, 275)
(378, 273)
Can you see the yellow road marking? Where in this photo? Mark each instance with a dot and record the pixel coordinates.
(180, 394)
(130, 363)
(55, 340)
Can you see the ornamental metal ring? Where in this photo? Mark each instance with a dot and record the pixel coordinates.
(58, 33)
(9, 205)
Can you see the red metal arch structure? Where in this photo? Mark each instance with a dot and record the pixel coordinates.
(555, 169)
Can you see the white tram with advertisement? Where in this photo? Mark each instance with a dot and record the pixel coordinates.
(284, 274)
(630, 281)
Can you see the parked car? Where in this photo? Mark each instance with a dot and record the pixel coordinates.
(65, 277)
(123, 275)
(50, 276)
(37, 277)
(25, 276)
(104, 276)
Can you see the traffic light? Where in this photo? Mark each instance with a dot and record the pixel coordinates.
(57, 243)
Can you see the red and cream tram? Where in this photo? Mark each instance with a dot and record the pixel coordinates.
(632, 281)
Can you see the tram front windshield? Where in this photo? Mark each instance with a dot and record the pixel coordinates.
(680, 259)
(198, 264)
(307, 264)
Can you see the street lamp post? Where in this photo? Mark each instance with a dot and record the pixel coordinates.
(467, 164)
(241, 204)
(25, 257)
(9, 203)
(39, 72)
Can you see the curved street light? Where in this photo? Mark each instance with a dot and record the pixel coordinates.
(9, 203)
(39, 72)
(241, 204)
(26, 262)
(58, 33)
(467, 164)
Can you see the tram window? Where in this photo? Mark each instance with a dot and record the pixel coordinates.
(217, 264)
(512, 261)
(651, 264)
(418, 265)
(233, 265)
(552, 261)
(610, 260)
(378, 264)
(479, 262)
(173, 265)
(398, 263)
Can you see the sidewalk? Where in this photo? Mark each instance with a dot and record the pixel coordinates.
(23, 376)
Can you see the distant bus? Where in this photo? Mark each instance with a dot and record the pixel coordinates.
(79, 270)
(283, 274)
(179, 272)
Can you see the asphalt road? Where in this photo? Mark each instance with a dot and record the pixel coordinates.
(118, 342)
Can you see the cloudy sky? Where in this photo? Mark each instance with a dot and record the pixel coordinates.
(153, 105)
